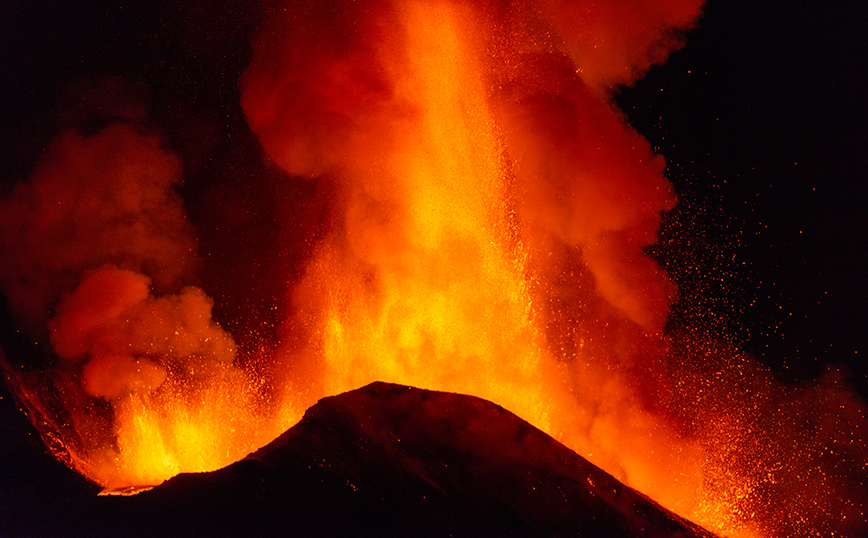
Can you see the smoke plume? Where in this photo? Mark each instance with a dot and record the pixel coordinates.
(94, 200)
(97, 230)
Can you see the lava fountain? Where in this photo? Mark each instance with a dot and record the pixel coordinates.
(487, 215)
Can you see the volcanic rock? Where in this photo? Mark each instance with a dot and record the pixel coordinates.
(390, 460)
(399, 461)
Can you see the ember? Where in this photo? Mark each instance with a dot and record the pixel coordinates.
(483, 214)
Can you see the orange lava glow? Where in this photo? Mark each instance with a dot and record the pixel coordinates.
(445, 303)
(488, 217)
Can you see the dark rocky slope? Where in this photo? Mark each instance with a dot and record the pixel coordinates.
(386, 460)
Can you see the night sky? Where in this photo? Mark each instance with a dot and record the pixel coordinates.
(762, 118)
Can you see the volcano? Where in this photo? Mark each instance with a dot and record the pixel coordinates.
(383, 460)
(236, 211)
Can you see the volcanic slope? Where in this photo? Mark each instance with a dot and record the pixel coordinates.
(390, 460)
(383, 460)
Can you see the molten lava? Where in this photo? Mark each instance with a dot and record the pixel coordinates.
(487, 220)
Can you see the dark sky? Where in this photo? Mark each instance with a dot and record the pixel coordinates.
(762, 118)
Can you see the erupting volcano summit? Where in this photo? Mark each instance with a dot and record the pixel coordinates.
(444, 195)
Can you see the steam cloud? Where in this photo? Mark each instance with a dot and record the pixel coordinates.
(486, 211)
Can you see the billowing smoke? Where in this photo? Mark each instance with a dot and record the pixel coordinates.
(94, 200)
(491, 211)
(141, 382)
(481, 217)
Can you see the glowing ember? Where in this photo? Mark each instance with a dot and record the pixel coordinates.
(488, 212)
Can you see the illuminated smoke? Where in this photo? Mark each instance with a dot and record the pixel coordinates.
(94, 200)
(490, 215)
(144, 384)
(484, 232)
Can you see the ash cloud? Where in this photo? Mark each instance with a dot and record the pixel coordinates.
(99, 260)
(93, 200)
(131, 339)
(615, 43)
